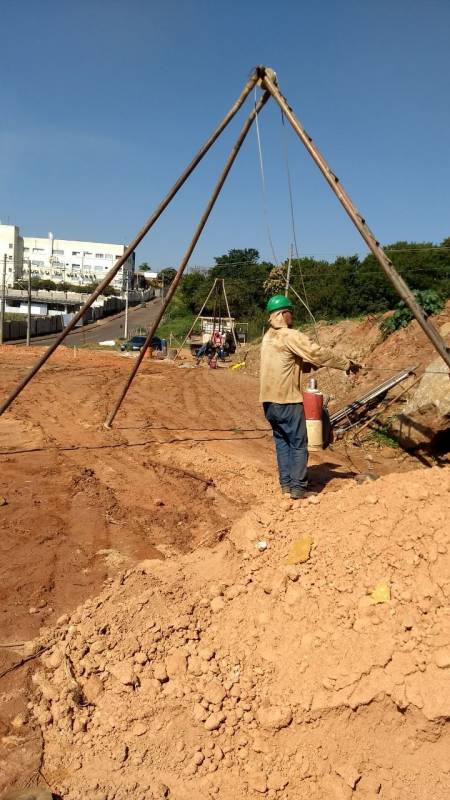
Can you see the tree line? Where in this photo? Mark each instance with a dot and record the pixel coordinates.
(346, 287)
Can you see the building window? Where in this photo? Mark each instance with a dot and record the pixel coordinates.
(99, 255)
(77, 266)
(76, 253)
(26, 249)
(58, 252)
(86, 253)
(37, 263)
(38, 249)
(10, 246)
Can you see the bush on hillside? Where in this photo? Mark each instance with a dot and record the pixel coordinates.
(429, 300)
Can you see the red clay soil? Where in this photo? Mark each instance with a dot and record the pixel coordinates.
(188, 457)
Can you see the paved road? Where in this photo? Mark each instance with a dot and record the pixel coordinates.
(112, 328)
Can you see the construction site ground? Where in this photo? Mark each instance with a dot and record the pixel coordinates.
(187, 632)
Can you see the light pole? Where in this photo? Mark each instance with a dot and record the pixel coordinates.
(2, 302)
(127, 289)
(29, 305)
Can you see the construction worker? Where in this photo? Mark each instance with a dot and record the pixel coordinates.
(285, 352)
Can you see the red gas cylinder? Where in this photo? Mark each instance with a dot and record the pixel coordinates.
(313, 406)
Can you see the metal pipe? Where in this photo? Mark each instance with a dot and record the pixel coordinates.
(138, 238)
(381, 388)
(268, 81)
(173, 286)
(391, 402)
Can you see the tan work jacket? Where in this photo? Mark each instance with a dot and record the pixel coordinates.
(283, 354)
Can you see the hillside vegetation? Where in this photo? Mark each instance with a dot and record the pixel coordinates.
(344, 288)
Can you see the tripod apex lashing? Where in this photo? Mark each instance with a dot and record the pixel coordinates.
(268, 72)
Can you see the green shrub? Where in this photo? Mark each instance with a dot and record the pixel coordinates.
(430, 301)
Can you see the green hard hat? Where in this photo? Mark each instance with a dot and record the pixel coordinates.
(278, 302)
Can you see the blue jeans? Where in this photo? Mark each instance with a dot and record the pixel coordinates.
(289, 431)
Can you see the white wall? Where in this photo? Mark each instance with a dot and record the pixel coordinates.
(36, 309)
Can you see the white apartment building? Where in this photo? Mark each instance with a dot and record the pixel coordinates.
(11, 246)
(64, 260)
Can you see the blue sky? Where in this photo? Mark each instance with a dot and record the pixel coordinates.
(104, 102)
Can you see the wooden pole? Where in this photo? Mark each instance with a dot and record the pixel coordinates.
(173, 286)
(269, 83)
(138, 238)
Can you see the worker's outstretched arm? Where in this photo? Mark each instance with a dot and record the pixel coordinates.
(302, 346)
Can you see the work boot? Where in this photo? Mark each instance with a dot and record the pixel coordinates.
(300, 494)
(286, 489)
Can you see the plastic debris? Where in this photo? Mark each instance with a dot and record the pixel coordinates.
(300, 550)
(381, 593)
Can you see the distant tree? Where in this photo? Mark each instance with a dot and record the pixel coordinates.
(193, 285)
(167, 275)
(244, 277)
(43, 283)
(345, 287)
(233, 263)
(144, 267)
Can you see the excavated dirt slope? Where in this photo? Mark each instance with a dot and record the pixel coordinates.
(182, 660)
(232, 673)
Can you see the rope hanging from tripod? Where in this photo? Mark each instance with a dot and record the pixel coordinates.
(263, 188)
(305, 303)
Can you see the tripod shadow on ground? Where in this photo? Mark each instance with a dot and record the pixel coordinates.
(319, 475)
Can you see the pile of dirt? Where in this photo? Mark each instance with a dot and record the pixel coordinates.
(306, 655)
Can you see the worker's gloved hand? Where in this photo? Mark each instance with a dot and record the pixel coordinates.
(354, 368)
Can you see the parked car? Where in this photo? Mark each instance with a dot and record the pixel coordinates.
(136, 342)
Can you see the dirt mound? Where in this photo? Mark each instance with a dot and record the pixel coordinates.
(306, 655)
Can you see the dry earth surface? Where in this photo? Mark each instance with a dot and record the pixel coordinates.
(180, 656)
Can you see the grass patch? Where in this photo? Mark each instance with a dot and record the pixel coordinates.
(178, 326)
(383, 437)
